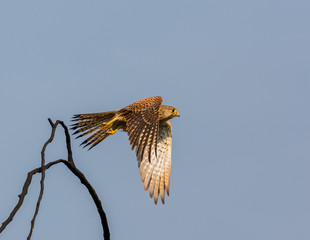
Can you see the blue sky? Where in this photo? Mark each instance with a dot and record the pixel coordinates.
(238, 72)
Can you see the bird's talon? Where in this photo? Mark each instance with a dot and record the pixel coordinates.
(111, 131)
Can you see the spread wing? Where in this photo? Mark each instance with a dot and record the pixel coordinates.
(155, 174)
(142, 123)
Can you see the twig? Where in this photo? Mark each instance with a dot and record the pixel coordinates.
(68, 142)
(71, 166)
(25, 191)
(54, 126)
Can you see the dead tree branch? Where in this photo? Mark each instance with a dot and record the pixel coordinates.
(69, 163)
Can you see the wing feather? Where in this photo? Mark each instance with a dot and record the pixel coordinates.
(142, 118)
(155, 174)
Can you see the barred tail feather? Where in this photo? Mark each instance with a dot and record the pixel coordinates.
(92, 123)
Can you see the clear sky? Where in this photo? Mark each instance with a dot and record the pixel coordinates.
(239, 74)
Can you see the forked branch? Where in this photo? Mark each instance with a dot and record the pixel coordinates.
(69, 163)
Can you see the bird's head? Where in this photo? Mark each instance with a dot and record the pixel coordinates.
(168, 112)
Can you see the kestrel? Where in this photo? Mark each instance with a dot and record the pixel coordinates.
(149, 129)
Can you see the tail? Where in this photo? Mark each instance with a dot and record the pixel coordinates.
(100, 124)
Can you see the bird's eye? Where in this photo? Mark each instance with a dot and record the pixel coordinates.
(173, 110)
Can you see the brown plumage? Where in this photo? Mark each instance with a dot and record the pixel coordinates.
(147, 125)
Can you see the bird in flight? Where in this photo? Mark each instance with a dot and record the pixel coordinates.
(149, 129)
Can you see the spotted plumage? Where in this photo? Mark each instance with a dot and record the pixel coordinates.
(149, 129)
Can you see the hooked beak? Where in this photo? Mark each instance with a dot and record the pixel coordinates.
(176, 113)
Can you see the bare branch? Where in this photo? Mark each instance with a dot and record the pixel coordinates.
(92, 192)
(68, 142)
(25, 191)
(71, 166)
(54, 126)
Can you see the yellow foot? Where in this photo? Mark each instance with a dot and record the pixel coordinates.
(111, 131)
(107, 123)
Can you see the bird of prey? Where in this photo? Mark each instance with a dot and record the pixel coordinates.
(149, 129)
